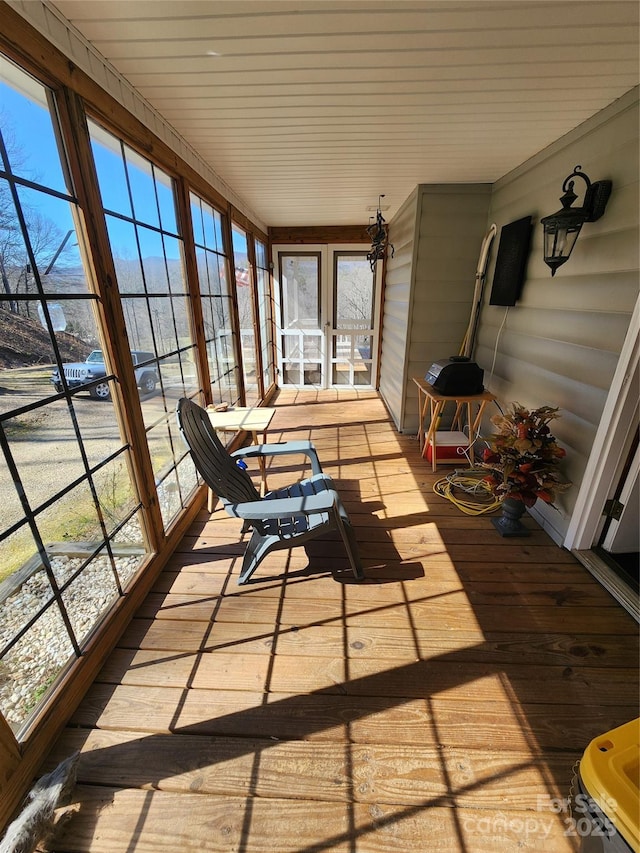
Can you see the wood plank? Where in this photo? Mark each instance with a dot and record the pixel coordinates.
(154, 821)
(335, 772)
(495, 648)
(230, 671)
(445, 676)
(361, 719)
(537, 549)
(449, 611)
(190, 634)
(488, 570)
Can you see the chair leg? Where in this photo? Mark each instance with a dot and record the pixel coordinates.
(257, 548)
(351, 546)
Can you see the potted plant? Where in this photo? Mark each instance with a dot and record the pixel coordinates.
(523, 457)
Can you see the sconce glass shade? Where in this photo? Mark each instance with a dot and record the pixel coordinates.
(561, 231)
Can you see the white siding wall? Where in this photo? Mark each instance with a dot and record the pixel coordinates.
(396, 310)
(560, 344)
(452, 223)
(430, 282)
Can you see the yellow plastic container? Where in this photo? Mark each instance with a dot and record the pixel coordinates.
(609, 774)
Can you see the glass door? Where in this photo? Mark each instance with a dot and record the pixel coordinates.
(353, 320)
(301, 350)
(328, 315)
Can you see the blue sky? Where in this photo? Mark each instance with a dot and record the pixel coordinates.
(33, 153)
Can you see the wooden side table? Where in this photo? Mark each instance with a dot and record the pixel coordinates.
(252, 419)
(430, 399)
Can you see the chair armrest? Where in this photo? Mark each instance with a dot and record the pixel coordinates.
(285, 507)
(282, 448)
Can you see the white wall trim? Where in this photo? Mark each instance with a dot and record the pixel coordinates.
(608, 445)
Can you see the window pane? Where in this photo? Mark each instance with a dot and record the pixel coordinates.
(265, 314)
(54, 243)
(138, 322)
(175, 265)
(51, 425)
(112, 177)
(354, 293)
(117, 497)
(95, 587)
(159, 439)
(126, 256)
(141, 184)
(153, 260)
(261, 255)
(166, 202)
(170, 498)
(196, 219)
(244, 280)
(188, 478)
(27, 129)
(300, 291)
(182, 323)
(13, 514)
(31, 666)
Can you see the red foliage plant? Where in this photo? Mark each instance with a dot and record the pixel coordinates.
(524, 456)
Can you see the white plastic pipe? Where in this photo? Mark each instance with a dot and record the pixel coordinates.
(481, 271)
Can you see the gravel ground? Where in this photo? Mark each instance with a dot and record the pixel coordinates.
(34, 662)
(46, 450)
(31, 666)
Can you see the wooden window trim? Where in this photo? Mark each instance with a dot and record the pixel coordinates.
(78, 96)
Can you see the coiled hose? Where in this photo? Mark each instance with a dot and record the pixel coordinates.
(468, 490)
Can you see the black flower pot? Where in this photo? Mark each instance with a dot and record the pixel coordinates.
(509, 523)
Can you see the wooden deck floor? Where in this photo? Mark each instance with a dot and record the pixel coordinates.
(440, 705)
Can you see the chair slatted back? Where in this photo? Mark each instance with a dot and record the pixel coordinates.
(215, 465)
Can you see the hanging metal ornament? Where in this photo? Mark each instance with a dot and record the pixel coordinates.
(377, 230)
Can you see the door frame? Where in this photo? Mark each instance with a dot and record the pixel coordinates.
(618, 419)
(327, 251)
(621, 534)
(604, 468)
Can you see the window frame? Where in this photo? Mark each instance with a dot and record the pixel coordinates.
(77, 97)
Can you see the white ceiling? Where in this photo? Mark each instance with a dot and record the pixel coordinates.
(310, 110)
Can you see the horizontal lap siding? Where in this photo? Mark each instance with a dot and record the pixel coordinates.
(560, 344)
(396, 309)
(452, 224)
(449, 223)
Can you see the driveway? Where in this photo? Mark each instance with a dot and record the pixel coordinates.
(43, 441)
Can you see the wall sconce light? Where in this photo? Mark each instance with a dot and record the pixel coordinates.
(561, 229)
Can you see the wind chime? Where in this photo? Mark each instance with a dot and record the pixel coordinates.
(377, 230)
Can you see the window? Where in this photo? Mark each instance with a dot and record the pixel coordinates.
(265, 314)
(140, 211)
(208, 229)
(71, 531)
(246, 315)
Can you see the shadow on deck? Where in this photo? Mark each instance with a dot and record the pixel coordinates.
(441, 704)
